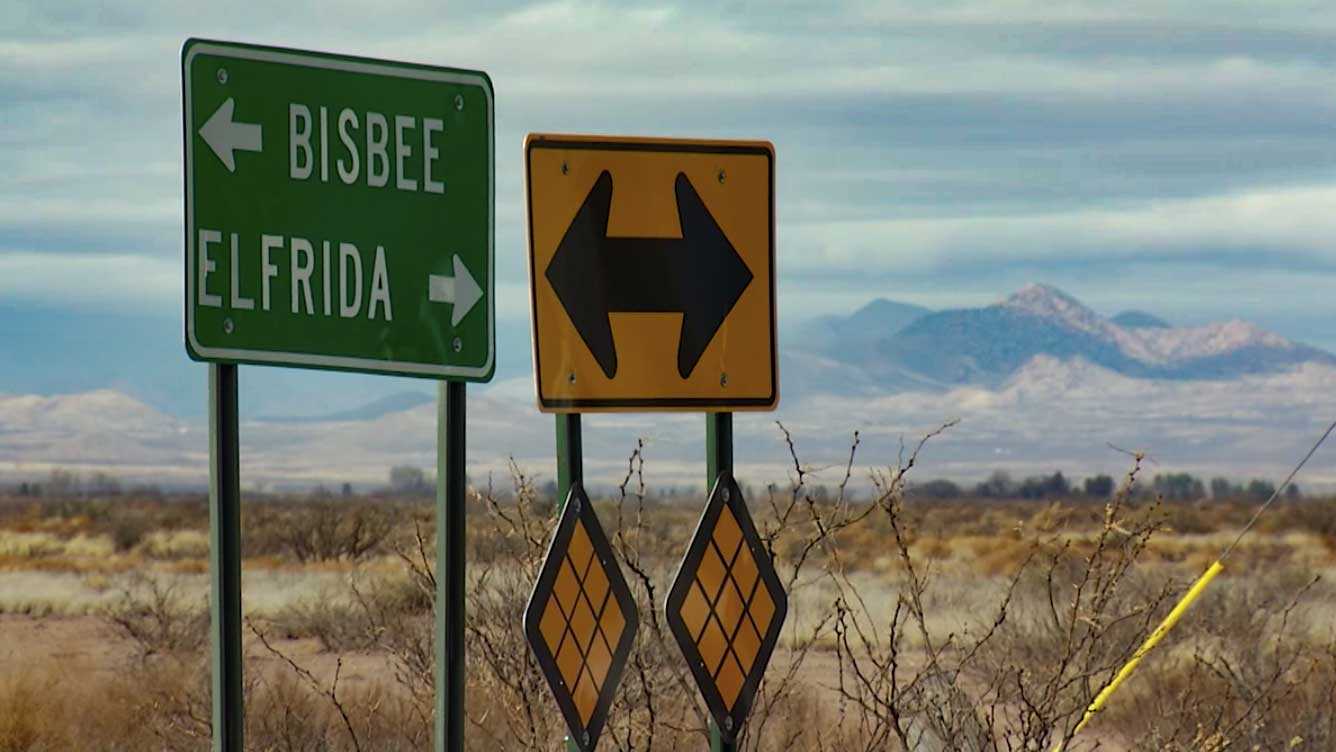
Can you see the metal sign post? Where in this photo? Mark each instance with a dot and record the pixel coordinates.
(225, 559)
(339, 214)
(570, 469)
(570, 453)
(727, 605)
(718, 459)
(450, 536)
(652, 284)
(581, 620)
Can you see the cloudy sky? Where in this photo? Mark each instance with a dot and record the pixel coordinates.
(1173, 156)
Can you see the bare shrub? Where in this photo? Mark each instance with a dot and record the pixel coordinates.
(175, 693)
(657, 706)
(356, 620)
(318, 530)
(128, 530)
(286, 716)
(1313, 516)
(337, 625)
(1244, 675)
(942, 625)
(511, 706)
(1004, 683)
(157, 619)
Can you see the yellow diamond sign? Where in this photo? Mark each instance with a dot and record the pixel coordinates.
(581, 620)
(726, 607)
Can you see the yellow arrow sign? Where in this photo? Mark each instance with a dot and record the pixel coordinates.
(652, 276)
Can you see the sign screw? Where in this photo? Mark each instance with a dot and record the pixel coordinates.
(728, 723)
(571, 378)
(723, 379)
(725, 493)
(459, 102)
(458, 344)
(584, 735)
(222, 75)
(565, 168)
(721, 176)
(227, 326)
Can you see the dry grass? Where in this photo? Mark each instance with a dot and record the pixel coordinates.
(346, 608)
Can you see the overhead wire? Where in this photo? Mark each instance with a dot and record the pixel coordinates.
(1276, 494)
(1183, 603)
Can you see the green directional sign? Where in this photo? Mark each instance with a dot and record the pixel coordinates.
(339, 212)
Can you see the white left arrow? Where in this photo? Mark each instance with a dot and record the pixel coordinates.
(460, 291)
(224, 135)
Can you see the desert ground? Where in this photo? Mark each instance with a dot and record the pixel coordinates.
(915, 623)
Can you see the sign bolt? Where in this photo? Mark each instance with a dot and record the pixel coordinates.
(227, 326)
(571, 377)
(723, 379)
(584, 736)
(724, 493)
(565, 168)
(222, 75)
(728, 723)
(458, 344)
(721, 176)
(459, 102)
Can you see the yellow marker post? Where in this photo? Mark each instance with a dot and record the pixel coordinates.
(1147, 646)
(1169, 621)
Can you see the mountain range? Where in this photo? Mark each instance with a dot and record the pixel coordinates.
(894, 346)
(1039, 381)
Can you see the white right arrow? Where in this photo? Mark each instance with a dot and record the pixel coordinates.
(461, 291)
(225, 135)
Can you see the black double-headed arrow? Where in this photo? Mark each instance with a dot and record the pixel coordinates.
(699, 275)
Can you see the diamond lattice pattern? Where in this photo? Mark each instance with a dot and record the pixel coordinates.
(582, 623)
(728, 609)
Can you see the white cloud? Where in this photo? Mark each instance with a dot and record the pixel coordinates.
(1295, 220)
(119, 280)
(941, 153)
(1218, 13)
(59, 212)
(899, 124)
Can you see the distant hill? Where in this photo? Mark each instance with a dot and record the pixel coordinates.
(390, 403)
(1039, 381)
(896, 346)
(885, 347)
(877, 320)
(1139, 320)
(54, 351)
(1050, 414)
